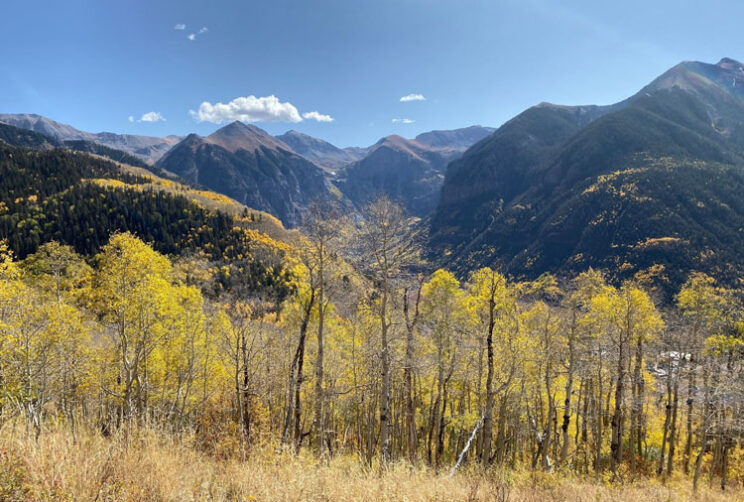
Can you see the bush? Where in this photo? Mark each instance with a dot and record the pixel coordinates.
(13, 483)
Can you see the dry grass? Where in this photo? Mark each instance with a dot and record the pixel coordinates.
(155, 467)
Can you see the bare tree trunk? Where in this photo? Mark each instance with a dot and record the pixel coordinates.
(295, 378)
(543, 441)
(319, 424)
(412, 440)
(547, 436)
(298, 400)
(699, 460)
(488, 411)
(667, 418)
(441, 402)
(673, 428)
(568, 391)
(690, 403)
(724, 463)
(598, 418)
(638, 398)
(433, 414)
(290, 399)
(704, 430)
(616, 444)
(390, 245)
(239, 397)
(584, 424)
(246, 391)
(466, 447)
(386, 380)
(441, 423)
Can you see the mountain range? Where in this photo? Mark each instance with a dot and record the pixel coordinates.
(650, 185)
(647, 188)
(281, 174)
(146, 148)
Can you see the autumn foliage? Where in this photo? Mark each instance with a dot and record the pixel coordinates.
(369, 359)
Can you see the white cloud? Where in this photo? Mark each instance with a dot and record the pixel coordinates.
(247, 109)
(131, 118)
(192, 36)
(413, 97)
(179, 27)
(314, 115)
(403, 121)
(151, 117)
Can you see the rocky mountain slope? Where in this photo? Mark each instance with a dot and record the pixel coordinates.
(251, 166)
(411, 171)
(651, 184)
(322, 153)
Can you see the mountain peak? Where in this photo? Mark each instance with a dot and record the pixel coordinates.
(238, 127)
(321, 152)
(392, 138)
(722, 79)
(397, 141)
(407, 146)
(193, 140)
(729, 64)
(459, 139)
(410, 170)
(240, 136)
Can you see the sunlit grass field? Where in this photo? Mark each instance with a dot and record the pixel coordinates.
(154, 466)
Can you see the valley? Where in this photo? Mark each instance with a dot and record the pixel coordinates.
(551, 309)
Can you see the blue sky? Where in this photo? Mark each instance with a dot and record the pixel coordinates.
(94, 64)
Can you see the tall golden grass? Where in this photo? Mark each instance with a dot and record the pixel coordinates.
(154, 466)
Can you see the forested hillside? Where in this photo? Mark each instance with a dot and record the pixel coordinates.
(366, 359)
(81, 201)
(105, 151)
(26, 138)
(21, 137)
(650, 185)
(145, 148)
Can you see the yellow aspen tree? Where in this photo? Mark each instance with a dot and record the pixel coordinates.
(132, 288)
(490, 305)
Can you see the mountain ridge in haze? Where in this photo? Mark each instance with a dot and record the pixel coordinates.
(408, 170)
(455, 138)
(321, 152)
(147, 148)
